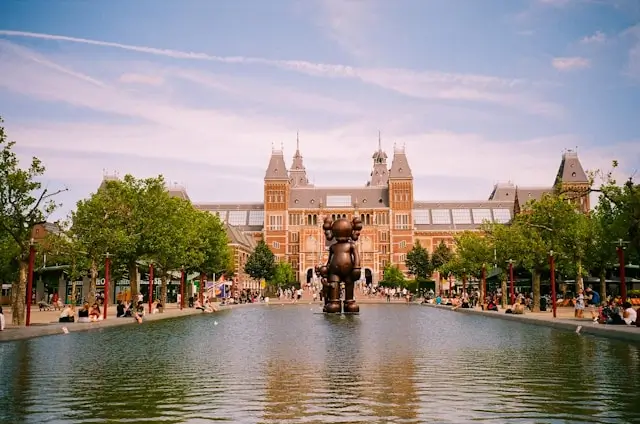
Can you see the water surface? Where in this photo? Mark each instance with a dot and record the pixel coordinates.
(291, 364)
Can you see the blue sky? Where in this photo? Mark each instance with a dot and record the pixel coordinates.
(200, 91)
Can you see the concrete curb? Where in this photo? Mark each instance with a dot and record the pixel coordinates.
(625, 333)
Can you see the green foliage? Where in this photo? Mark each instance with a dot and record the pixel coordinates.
(473, 251)
(23, 203)
(65, 248)
(393, 277)
(283, 275)
(418, 263)
(441, 255)
(9, 254)
(213, 255)
(261, 263)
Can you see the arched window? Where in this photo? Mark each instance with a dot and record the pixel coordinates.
(315, 219)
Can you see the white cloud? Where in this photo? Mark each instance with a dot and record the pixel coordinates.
(349, 23)
(135, 78)
(598, 37)
(633, 65)
(570, 63)
(512, 93)
(164, 130)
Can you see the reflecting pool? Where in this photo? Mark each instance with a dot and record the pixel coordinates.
(292, 364)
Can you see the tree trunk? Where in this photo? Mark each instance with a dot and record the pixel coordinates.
(579, 280)
(603, 285)
(505, 296)
(73, 278)
(19, 295)
(163, 291)
(536, 290)
(133, 283)
(93, 282)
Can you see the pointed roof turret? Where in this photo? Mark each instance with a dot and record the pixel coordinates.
(277, 169)
(380, 173)
(571, 171)
(298, 173)
(400, 168)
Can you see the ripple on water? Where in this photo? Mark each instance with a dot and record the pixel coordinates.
(288, 365)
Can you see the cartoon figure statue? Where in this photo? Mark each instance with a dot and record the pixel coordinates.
(343, 265)
(322, 272)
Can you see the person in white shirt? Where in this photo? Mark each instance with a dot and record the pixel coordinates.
(629, 315)
(1, 319)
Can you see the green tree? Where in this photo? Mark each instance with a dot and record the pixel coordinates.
(66, 249)
(170, 246)
(473, 251)
(261, 263)
(601, 254)
(283, 275)
(9, 254)
(547, 225)
(418, 263)
(23, 204)
(121, 218)
(441, 255)
(213, 255)
(393, 277)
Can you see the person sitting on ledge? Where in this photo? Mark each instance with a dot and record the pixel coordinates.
(139, 312)
(68, 314)
(120, 309)
(198, 305)
(491, 306)
(94, 314)
(517, 308)
(1, 319)
(83, 314)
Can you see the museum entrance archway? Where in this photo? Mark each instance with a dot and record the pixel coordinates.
(368, 276)
(309, 276)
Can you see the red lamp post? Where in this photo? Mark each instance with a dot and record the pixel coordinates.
(201, 288)
(484, 283)
(450, 284)
(512, 294)
(107, 263)
(150, 288)
(32, 260)
(182, 289)
(623, 282)
(464, 282)
(552, 266)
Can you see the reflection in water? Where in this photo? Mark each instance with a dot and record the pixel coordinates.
(273, 364)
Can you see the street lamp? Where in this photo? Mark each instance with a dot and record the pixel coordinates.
(464, 281)
(107, 263)
(32, 259)
(484, 283)
(552, 265)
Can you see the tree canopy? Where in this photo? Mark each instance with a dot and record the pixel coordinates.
(283, 275)
(261, 263)
(418, 262)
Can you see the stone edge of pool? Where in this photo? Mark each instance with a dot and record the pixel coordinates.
(55, 328)
(629, 334)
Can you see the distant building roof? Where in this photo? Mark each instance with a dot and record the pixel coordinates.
(277, 169)
(503, 192)
(400, 164)
(571, 170)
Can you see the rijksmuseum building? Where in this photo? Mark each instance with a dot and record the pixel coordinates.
(289, 218)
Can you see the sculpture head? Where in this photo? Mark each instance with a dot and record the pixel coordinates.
(342, 230)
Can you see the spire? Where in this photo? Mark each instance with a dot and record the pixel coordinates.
(516, 203)
(277, 169)
(380, 173)
(571, 171)
(400, 168)
(298, 173)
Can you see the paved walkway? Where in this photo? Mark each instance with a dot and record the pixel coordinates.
(564, 320)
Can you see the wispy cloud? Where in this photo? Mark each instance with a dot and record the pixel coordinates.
(598, 37)
(633, 65)
(135, 78)
(570, 63)
(349, 23)
(512, 93)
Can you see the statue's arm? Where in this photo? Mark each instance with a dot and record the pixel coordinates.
(355, 255)
(330, 255)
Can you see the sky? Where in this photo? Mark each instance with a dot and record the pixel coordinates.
(476, 92)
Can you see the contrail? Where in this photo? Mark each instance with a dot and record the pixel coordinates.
(293, 65)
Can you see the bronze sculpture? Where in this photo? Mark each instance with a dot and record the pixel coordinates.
(343, 265)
